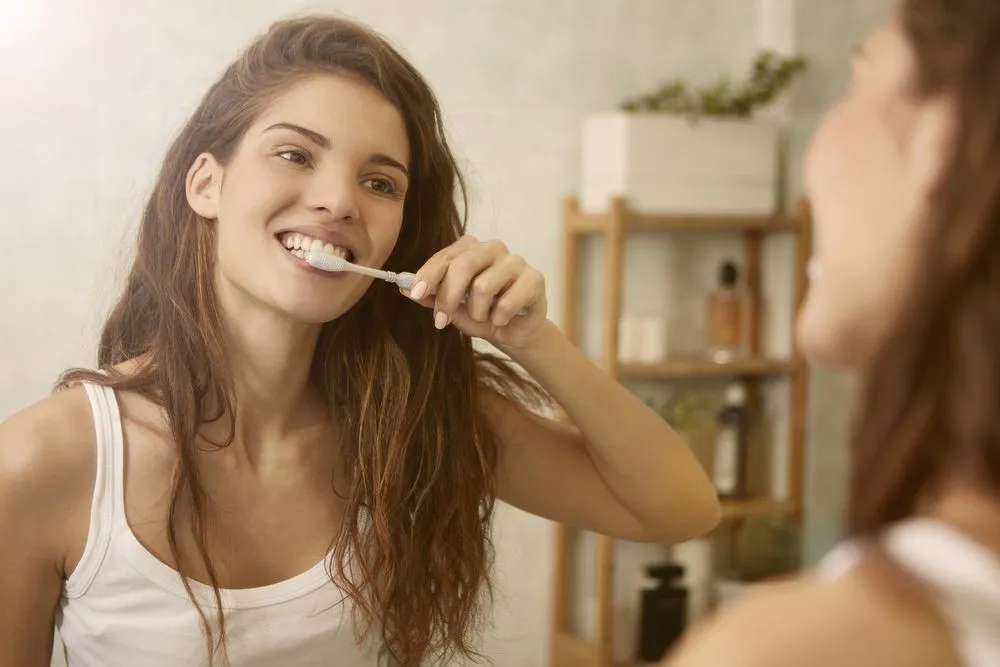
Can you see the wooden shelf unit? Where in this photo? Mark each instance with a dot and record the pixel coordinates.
(568, 650)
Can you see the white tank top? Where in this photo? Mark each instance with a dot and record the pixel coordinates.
(123, 607)
(962, 576)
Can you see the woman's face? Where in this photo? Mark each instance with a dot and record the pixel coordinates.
(869, 172)
(324, 167)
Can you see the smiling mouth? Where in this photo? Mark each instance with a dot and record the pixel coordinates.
(299, 244)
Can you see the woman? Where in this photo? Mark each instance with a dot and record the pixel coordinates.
(266, 442)
(904, 175)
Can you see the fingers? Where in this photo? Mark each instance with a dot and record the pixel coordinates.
(527, 289)
(460, 275)
(429, 275)
(490, 284)
(477, 282)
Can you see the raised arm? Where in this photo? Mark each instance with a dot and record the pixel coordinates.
(621, 470)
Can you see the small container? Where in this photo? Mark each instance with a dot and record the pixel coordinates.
(727, 312)
(652, 339)
(629, 339)
(663, 611)
(729, 462)
(641, 339)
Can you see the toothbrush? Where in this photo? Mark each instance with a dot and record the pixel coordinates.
(335, 264)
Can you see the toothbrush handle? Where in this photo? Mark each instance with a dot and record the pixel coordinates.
(405, 281)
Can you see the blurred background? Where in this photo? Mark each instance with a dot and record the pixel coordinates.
(643, 154)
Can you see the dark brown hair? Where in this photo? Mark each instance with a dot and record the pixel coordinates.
(930, 409)
(419, 450)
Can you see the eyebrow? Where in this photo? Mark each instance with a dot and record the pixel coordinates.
(324, 142)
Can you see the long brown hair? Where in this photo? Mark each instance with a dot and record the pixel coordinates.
(930, 409)
(414, 553)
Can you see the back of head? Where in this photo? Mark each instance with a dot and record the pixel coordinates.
(930, 412)
(420, 477)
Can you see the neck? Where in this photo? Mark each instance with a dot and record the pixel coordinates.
(270, 358)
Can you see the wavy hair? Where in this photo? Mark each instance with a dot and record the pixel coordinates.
(931, 401)
(420, 490)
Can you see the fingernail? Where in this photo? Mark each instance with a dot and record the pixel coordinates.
(441, 320)
(417, 291)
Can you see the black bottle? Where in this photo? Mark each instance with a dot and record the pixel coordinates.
(663, 611)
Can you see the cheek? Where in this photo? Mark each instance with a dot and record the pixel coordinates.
(834, 160)
(855, 179)
(252, 194)
(384, 228)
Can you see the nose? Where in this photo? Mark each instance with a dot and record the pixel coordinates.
(334, 195)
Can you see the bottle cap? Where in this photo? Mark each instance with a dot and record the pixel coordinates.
(665, 572)
(729, 274)
(735, 394)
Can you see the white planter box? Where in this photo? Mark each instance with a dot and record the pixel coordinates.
(668, 163)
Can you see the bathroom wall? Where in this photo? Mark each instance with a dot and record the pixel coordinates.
(94, 91)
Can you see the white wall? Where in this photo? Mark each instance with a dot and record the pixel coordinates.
(94, 91)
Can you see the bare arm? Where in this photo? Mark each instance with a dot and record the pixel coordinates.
(621, 470)
(41, 480)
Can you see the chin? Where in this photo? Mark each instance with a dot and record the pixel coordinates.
(825, 340)
(314, 311)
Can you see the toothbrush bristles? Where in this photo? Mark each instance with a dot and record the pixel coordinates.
(322, 260)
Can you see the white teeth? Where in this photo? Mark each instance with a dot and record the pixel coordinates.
(299, 244)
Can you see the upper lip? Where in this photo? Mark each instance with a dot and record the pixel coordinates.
(324, 234)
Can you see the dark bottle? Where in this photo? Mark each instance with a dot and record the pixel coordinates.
(663, 611)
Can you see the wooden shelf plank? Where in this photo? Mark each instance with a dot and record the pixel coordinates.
(587, 223)
(695, 367)
(569, 651)
(597, 223)
(741, 509)
(716, 223)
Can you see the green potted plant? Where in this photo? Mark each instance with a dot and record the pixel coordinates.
(766, 547)
(688, 149)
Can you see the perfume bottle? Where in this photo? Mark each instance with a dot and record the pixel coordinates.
(727, 311)
(663, 611)
(729, 463)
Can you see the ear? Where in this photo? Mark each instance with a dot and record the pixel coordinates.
(203, 184)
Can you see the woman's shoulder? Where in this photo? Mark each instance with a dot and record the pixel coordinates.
(48, 463)
(49, 439)
(873, 614)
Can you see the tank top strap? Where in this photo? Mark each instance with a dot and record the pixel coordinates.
(107, 509)
(962, 577)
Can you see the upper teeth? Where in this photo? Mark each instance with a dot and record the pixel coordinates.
(299, 244)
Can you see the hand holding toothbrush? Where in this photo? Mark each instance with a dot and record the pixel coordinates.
(484, 290)
(480, 287)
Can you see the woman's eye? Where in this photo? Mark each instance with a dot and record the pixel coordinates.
(382, 186)
(295, 156)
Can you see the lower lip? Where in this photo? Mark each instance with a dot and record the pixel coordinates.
(303, 264)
